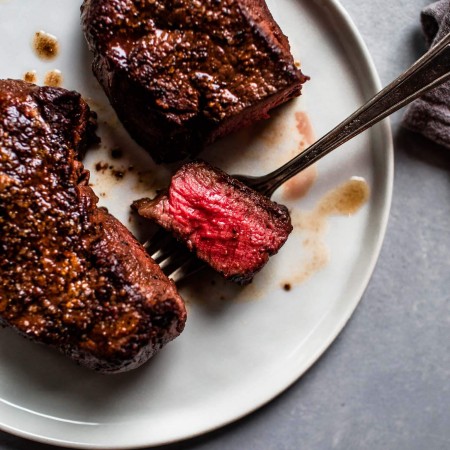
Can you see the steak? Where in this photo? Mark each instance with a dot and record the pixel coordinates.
(230, 226)
(71, 275)
(182, 73)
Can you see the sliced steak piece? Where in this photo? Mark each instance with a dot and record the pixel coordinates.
(230, 226)
(182, 73)
(71, 275)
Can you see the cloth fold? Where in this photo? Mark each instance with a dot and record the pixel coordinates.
(430, 114)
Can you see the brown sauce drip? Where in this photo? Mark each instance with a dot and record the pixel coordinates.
(101, 166)
(53, 78)
(117, 173)
(30, 76)
(345, 200)
(45, 45)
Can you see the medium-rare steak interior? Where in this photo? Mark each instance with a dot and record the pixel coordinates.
(230, 226)
(182, 73)
(71, 275)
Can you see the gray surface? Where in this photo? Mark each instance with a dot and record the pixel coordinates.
(385, 382)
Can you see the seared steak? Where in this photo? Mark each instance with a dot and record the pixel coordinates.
(230, 226)
(182, 73)
(71, 275)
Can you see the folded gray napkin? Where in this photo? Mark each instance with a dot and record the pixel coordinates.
(430, 114)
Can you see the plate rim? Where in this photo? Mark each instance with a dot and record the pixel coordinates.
(373, 84)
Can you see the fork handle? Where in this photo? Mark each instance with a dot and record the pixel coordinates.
(429, 71)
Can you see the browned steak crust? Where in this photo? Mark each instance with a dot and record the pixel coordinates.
(71, 275)
(182, 73)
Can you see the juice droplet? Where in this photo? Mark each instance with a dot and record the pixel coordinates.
(45, 45)
(30, 76)
(53, 78)
(305, 129)
(298, 186)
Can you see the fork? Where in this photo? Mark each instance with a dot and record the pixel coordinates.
(430, 70)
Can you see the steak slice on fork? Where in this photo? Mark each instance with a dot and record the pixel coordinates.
(225, 223)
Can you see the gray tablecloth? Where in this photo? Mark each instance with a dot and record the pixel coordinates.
(385, 382)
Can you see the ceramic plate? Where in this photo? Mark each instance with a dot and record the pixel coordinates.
(241, 346)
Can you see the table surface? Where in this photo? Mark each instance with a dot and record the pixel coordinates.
(385, 382)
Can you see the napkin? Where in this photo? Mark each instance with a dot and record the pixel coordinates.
(430, 114)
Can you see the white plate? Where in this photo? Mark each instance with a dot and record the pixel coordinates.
(239, 352)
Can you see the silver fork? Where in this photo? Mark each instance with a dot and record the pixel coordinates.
(429, 71)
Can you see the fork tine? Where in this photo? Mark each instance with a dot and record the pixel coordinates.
(190, 267)
(175, 260)
(161, 246)
(153, 243)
